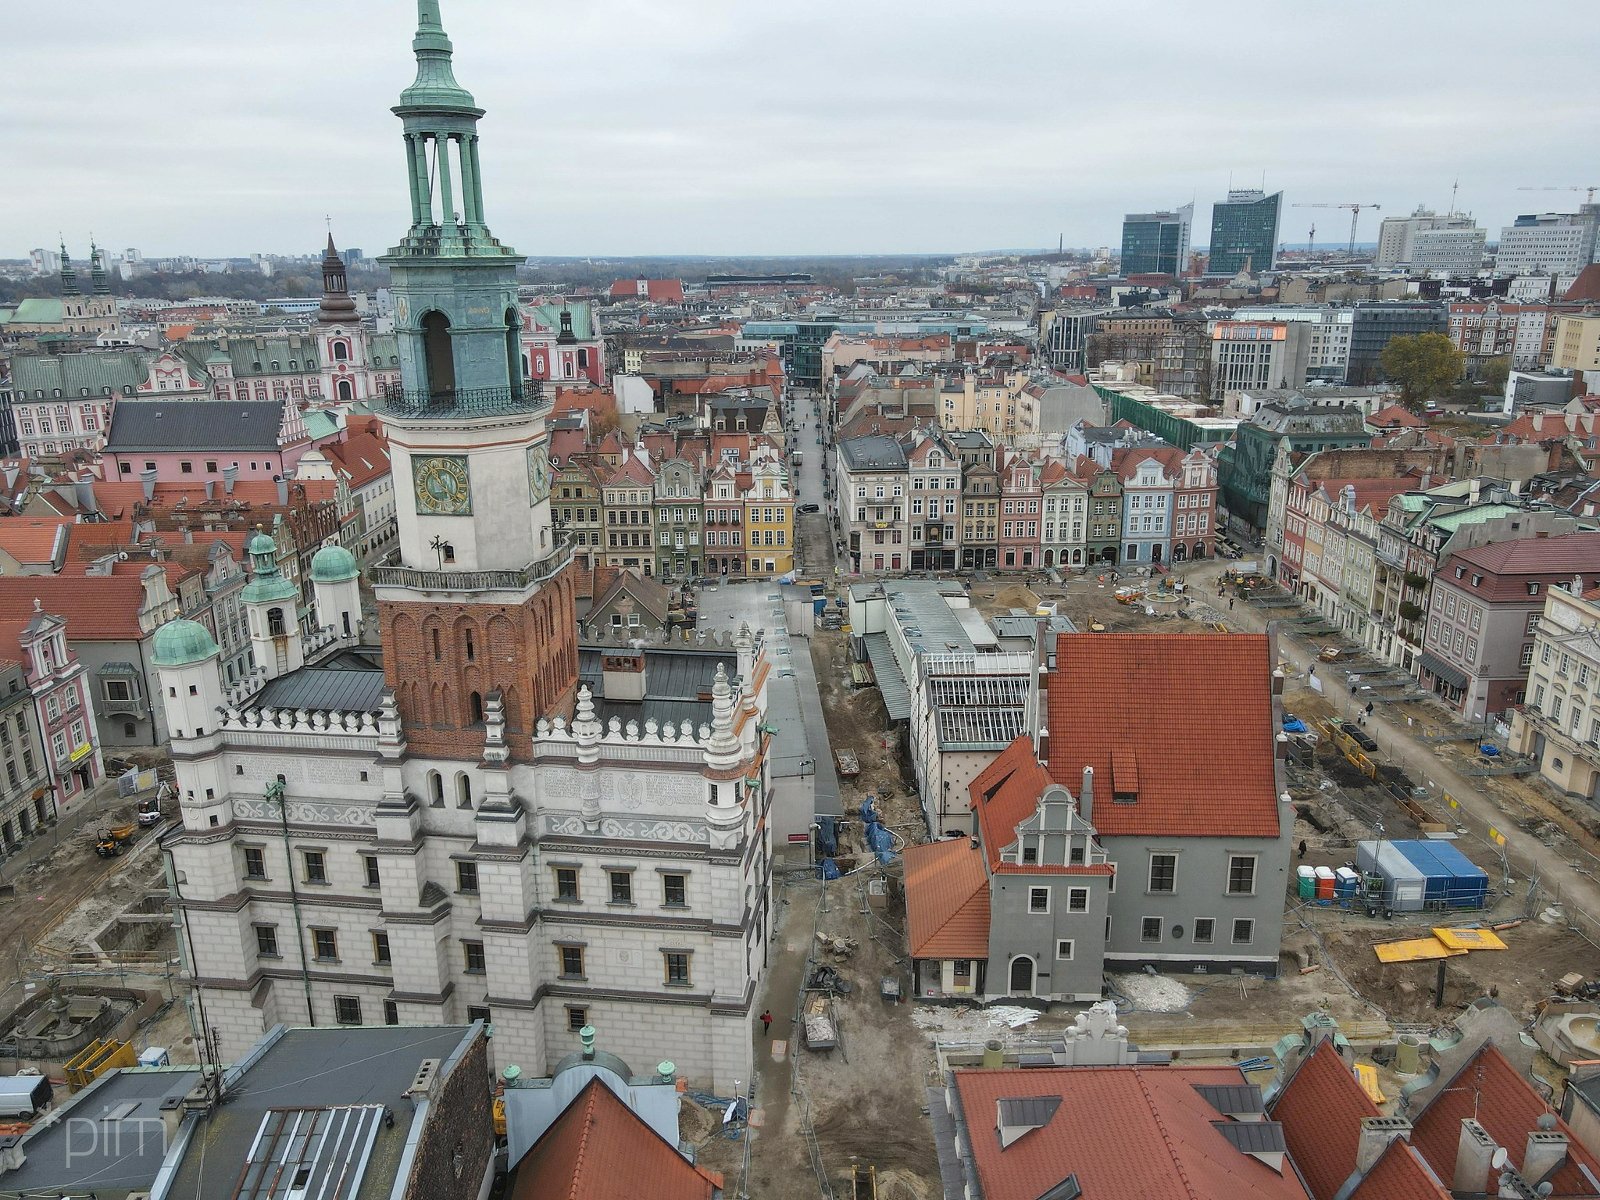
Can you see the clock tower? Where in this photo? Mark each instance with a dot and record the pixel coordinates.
(475, 602)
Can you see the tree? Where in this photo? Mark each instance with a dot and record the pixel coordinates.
(1425, 365)
(1495, 373)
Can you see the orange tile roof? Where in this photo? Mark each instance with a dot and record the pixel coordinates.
(1123, 1131)
(1396, 417)
(947, 900)
(1491, 1090)
(33, 540)
(1400, 1174)
(97, 608)
(1321, 1111)
(1195, 713)
(363, 457)
(1005, 793)
(91, 539)
(600, 1149)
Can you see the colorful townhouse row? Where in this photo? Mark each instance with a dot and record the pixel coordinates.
(675, 505)
(941, 500)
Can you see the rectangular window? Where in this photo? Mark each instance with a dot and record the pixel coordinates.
(316, 866)
(676, 965)
(1205, 930)
(1150, 929)
(472, 956)
(675, 890)
(577, 1017)
(1244, 931)
(325, 945)
(1077, 899)
(380, 948)
(1241, 875)
(1064, 948)
(572, 962)
(621, 887)
(267, 941)
(567, 883)
(466, 876)
(1163, 873)
(1038, 900)
(347, 1010)
(119, 690)
(369, 864)
(255, 863)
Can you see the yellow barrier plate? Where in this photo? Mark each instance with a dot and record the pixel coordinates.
(1414, 950)
(1470, 939)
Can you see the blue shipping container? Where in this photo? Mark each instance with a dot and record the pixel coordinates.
(1451, 879)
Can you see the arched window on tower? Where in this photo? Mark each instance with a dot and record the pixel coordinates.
(344, 389)
(275, 626)
(341, 350)
(463, 790)
(475, 708)
(435, 789)
(470, 647)
(439, 355)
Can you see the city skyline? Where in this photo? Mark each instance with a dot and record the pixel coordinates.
(635, 130)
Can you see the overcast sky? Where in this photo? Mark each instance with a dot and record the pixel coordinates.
(217, 127)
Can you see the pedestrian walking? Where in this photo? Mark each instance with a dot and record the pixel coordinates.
(766, 1023)
(1302, 847)
(1369, 708)
(1230, 603)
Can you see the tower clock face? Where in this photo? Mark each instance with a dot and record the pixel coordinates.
(538, 473)
(442, 486)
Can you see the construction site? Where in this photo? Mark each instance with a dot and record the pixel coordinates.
(1407, 987)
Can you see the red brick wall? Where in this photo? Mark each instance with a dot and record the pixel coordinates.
(436, 655)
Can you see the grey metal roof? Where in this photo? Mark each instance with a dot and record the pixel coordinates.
(979, 710)
(677, 684)
(1253, 1137)
(339, 686)
(877, 452)
(1009, 627)
(1231, 1099)
(336, 1065)
(130, 1145)
(896, 695)
(150, 425)
(1034, 1111)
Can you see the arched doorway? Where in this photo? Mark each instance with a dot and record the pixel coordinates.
(1021, 976)
(1049, 558)
(1200, 552)
(438, 354)
(1155, 552)
(344, 390)
(1179, 553)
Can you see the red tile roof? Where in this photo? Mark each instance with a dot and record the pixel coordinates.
(362, 456)
(1195, 713)
(1370, 494)
(1537, 555)
(947, 900)
(1587, 285)
(600, 1149)
(1321, 1111)
(1123, 1131)
(32, 541)
(1400, 1174)
(1396, 417)
(1491, 1090)
(97, 608)
(1006, 793)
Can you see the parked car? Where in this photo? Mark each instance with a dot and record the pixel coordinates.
(807, 509)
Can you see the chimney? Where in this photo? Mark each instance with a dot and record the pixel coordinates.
(85, 490)
(148, 478)
(1277, 681)
(12, 470)
(229, 474)
(1546, 1151)
(283, 490)
(1474, 490)
(623, 676)
(1086, 796)
(211, 489)
(1474, 1159)
(1376, 1134)
(1350, 498)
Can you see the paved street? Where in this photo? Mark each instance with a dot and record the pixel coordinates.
(1398, 741)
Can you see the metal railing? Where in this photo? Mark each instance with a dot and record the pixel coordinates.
(537, 572)
(466, 402)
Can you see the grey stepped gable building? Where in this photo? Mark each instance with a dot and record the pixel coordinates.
(444, 828)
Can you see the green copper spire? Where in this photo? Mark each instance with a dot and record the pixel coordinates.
(435, 87)
(97, 270)
(69, 277)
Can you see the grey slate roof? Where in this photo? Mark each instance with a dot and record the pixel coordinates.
(675, 682)
(346, 682)
(176, 425)
(877, 452)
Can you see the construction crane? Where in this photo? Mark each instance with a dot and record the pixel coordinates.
(1588, 189)
(1355, 215)
(1311, 243)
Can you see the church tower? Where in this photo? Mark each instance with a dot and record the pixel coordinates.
(346, 374)
(475, 602)
(102, 307)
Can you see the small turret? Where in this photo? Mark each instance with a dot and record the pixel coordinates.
(336, 583)
(724, 768)
(270, 605)
(188, 667)
(337, 307)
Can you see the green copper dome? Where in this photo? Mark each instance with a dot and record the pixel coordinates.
(178, 643)
(333, 564)
(266, 581)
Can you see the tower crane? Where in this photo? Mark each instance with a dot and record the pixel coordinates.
(1588, 189)
(1355, 215)
(1311, 244)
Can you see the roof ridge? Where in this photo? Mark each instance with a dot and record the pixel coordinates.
(1166, 1137)
(588, 1120)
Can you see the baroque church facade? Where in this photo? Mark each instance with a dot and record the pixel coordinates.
(476, 818)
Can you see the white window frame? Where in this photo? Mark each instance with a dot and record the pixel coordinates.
(1150, 870)
(1072, 897)
(1234, 931)
(1227, 882)
(1039, 891)
(1208, 940)
(1143, 925)
(1065, 948)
